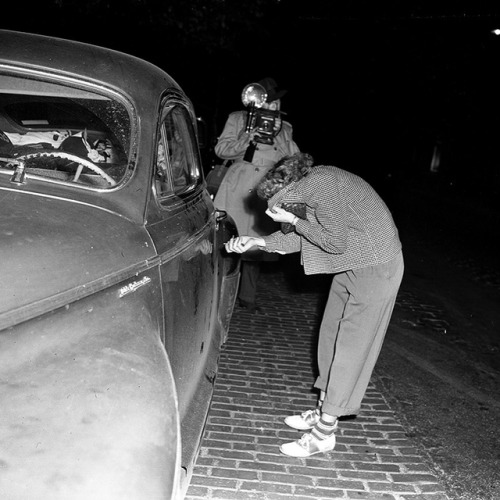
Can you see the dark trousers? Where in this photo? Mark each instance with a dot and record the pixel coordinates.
(250, 271)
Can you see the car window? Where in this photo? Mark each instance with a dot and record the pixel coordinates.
(177, 165)
(58, 133)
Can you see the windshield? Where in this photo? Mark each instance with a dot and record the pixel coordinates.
(62, 134)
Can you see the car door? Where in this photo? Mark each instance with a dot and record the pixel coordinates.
(183, 230)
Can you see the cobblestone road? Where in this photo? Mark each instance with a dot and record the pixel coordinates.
(266, 372)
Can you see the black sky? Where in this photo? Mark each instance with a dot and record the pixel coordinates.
(372, 85)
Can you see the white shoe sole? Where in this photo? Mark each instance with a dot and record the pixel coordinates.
(297, 450)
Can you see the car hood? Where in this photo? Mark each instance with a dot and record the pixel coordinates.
(56, 250)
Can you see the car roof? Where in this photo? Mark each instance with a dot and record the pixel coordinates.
(143, 82)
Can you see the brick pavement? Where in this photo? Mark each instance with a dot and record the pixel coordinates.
(266, 372)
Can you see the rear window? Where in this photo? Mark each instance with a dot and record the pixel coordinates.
(59, 133)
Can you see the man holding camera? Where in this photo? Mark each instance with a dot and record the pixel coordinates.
(255, 139)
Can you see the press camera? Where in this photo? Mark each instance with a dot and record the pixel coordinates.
(265, 121)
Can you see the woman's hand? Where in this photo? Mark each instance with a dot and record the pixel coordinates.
(280, 215)
(244, 243)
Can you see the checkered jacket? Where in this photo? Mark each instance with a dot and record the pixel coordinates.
(348, 225)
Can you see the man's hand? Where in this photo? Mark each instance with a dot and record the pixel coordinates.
(277, 125)
(247, 137)
(244, 243)
(280, 215)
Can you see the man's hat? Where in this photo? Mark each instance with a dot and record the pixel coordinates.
(273, 92)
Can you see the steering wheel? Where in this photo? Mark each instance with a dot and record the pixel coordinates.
(82, 163)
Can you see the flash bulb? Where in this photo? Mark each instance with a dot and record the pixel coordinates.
(254, 93)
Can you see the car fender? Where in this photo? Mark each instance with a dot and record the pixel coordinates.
(89, 402)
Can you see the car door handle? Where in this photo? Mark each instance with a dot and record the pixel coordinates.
(219, 217)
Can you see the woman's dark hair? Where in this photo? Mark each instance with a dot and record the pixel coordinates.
(288, 169)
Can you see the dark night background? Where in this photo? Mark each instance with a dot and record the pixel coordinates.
(372, 88)
(372, 85)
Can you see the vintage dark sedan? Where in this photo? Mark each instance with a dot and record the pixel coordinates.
(116, 293)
